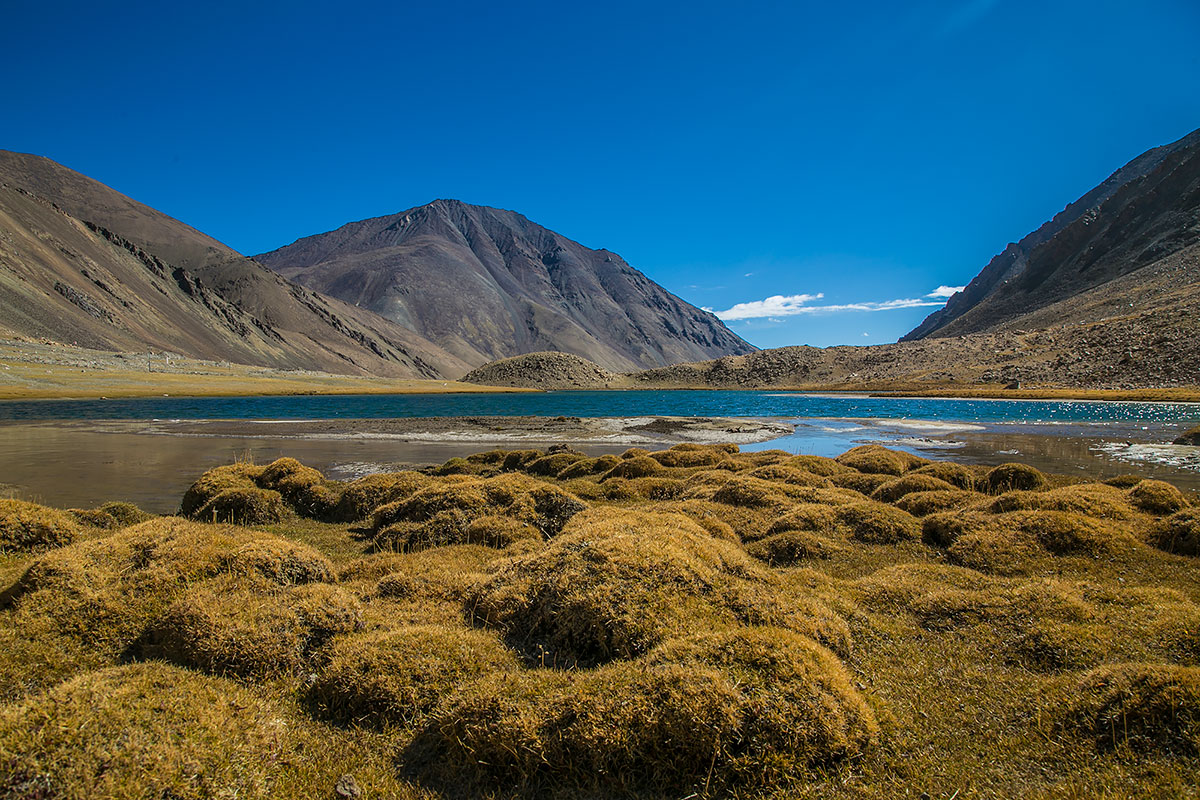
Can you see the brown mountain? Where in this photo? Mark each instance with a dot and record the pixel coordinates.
(1121, 248)
(80, 262)
(486, 284)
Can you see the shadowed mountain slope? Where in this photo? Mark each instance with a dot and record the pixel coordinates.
(486, 283)
(1146, 212)
(66, 275)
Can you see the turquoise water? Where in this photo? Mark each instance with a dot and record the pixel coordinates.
(606, 404)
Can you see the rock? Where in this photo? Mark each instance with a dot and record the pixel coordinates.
(348, 787)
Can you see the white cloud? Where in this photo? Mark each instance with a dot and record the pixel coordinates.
(945, 291)
(775, 306)
(792, 305)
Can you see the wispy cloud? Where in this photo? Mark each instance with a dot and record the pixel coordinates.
(775, 306)
(793, 305)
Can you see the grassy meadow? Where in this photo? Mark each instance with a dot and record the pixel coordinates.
(694, 622)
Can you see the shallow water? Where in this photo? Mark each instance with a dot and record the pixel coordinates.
(72, 466)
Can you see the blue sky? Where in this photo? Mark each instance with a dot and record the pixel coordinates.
(816, 172)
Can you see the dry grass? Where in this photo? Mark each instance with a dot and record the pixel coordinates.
(1179, 533)
(401, 675)
(165, 732)
(1157, 497)
(726, 627)
(31, 527)
(1142, 706)
(1009, 477)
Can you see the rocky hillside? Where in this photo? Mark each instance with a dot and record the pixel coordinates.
(487, 284)
(1076, 267)
(1136, 349)
(81, 263)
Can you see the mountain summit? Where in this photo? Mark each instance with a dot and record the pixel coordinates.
(485, 283)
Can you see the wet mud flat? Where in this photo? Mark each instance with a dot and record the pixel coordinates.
(151, 463)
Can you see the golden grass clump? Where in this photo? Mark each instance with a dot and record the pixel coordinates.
(1124, 481)
(1143, 706)
(215, 481)
(551, 464)
(441, 514)
(94, 518)
(31, 527)
(755, 707)
(614, 584)
(878, 460)
(111, 515)
(362, 496)
(588, 466)
(692, 455)
(1157, 497)
(1178, 533)
(280, 561)
(745, 491)
(250, 629)
(104, 592)
(954, 474)
(1009, 543)
(243, 506)
(792, 547)
(637, 466)
(1089, 499)
(303, 488)
(867, 521)
(142, 730)
(893, 490)
(817, 465)
(782, 473)
(1007, 477)
(877, 523)
(400, 675)
(922, 504)
(622, 728)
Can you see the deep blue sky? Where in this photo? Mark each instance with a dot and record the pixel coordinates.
(864, 152)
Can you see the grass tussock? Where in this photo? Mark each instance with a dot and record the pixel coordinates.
(712, 713)
(922, 504)
(793, 547)
(362, 496)
(1013, 477)
(1142, 706)
(31, 527)
(1094, 500)
(400, 675)
(164, 732)
(864, 483)
(583, 599)
(249, 629)
(866, 521)
(782, 473)
(1010, 543)
(1157, 497)
(1179, 533)
(893, 490)
(442, 514)
(954, 474)
(877, 460)
(817, 465)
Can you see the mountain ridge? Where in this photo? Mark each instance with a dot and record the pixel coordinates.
(1033, 274)
(490, 283)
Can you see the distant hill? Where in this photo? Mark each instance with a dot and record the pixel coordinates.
(486, 284)
(82, 263)
(1121, 248)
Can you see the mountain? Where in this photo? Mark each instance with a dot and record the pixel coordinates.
(82, 263)
(1124, 245)
(485, 284)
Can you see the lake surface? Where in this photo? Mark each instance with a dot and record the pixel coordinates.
(607, 404)
(49, 452)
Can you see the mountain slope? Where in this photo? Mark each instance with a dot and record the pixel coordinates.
(65, 275)
(1145, 212)
(486, 283)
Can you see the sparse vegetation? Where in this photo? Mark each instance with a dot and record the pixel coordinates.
(694, 621)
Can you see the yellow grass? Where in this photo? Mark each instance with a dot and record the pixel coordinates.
(732, 626)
